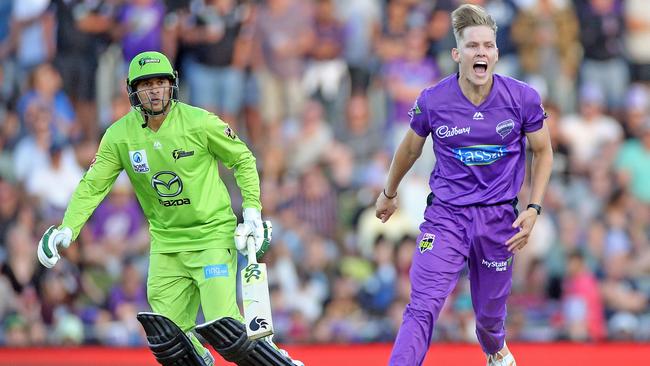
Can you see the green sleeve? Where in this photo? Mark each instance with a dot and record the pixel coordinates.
(93, 187)
(226, 147)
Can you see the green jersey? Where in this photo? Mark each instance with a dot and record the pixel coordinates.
(175, 175)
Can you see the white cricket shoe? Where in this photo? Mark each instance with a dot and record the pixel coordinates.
(283, 352)
(208, 358)
(498, 359)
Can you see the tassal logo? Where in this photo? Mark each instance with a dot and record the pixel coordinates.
(480, 154)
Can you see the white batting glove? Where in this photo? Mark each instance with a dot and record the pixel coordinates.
(260, 230)
(48, 253)
(242, 232)
(253, 220)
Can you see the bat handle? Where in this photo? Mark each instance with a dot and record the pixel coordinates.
(250, 246)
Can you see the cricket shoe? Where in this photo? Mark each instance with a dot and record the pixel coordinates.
(208, 358)
(283, 352)
(498, 359)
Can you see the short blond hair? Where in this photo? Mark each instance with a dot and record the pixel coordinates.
(469, 15)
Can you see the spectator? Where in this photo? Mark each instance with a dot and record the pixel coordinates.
(8, 213)
(637, 110)
(215, 81)
(546, 34)
(125, 300)
(33, 25)
(405, 77)
(139, 27)
(588, 132)
(284, 35)
(633, 161)
(326, 70)
(504, 13)
(45, 90)
(636, 37)
(118, 229)
(582, 303)
(312, 139)
(389, 36)
(81, 32)
(6, 47)
(314, 203)
(621, 295)
(363, 138)
(602, 28)
(53, 199)
(379, 291)
(360, 19)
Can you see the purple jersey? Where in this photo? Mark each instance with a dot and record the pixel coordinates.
(144, 28)
(480, 150)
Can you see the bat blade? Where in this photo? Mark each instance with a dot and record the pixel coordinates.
(256, 299)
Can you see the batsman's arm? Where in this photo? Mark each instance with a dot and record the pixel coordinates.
(93, 187)
(228, 148)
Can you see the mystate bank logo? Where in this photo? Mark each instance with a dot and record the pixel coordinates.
(498, 266)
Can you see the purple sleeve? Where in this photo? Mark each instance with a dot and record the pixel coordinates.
(419, 117)
(533, 111)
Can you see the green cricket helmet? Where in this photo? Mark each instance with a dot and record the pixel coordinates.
(146, 65)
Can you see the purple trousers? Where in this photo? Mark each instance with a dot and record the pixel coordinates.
(450, 236)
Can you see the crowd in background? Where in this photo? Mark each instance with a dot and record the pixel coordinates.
(320, 90)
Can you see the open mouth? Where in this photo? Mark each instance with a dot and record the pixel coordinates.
(480, 67)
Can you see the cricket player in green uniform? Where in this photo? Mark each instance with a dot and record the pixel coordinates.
(170, 152)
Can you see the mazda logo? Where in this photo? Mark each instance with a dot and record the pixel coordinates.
(167, 184)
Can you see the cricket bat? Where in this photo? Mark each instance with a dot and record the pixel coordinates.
(255, 295)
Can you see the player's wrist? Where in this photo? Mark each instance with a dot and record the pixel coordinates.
(252, 214)
(536, 207)
(388, 195)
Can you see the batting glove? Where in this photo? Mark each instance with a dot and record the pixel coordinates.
(48, 253)
(243, 232)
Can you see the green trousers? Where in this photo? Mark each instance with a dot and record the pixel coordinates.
(179, 282)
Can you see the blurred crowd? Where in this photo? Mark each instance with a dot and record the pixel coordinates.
(320, 89)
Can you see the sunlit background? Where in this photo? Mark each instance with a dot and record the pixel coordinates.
(319, 90)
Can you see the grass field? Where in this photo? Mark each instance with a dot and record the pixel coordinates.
(527, 354)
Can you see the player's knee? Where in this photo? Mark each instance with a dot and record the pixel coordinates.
(421, 312)
(489, 323)
(169, 344)
(430, 304)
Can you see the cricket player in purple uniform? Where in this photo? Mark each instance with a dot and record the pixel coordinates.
(479, 122)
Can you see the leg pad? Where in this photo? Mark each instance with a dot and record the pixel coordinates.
(228, 337)
(168, 342)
